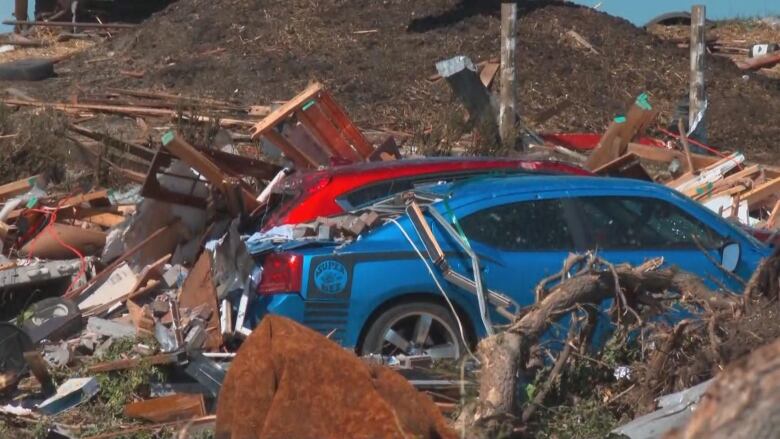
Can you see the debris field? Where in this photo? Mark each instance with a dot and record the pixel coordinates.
(301, 219)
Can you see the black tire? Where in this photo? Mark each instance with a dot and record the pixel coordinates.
(27, 70)
(443, 322)
(53, 319)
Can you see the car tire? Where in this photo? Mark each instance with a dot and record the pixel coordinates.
(27, 70)
(53, 319)
(442, 340)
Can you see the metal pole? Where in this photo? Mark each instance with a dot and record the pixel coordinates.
(697, 97)
(508, 95)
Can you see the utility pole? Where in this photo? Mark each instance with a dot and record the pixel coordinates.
(507, 109)
(697, 97)
(20, 13)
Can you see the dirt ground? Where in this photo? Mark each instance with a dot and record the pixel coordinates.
(377, 58)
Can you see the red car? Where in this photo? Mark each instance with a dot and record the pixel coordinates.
(304, 197)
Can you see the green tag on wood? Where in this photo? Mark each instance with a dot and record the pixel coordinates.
(308, 105)
(168, 137)
(620, 119)
(643, 102)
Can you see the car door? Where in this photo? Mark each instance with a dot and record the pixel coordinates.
(520, 243)
(634, 229)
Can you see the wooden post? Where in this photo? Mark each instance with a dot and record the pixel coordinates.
(697, 97)
(508, 96)
(20, 13)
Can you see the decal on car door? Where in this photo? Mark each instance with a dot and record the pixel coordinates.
(331, 278)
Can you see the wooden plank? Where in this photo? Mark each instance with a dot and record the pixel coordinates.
(326, 134)
(206, 167)
(168, 408)
(620, 132)
(488, 73)
(627, 166)
(70, 24)
(665, 155)
(40, 371)
(105, 219)
(150, 272)
(773, 217)
(204, 101)
(198, 289)
(297, 156)
(706, 188)
(19, 187)
(762, 192)
(281, 113)
(339, 116)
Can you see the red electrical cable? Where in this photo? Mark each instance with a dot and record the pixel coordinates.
(53, 219)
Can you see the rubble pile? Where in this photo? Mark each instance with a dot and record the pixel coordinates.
(144, 306)
(104, 282)
(381, 64)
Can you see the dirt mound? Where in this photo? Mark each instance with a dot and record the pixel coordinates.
(377, 56)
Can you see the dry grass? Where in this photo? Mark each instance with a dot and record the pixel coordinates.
(51, 48)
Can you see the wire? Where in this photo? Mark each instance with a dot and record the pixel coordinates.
(438, 285)
(49, 227)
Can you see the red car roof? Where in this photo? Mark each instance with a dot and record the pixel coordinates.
(318, 191)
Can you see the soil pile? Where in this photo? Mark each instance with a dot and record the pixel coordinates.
(377, 56)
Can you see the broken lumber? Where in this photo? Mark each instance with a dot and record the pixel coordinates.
(69, 24)
(19, 187)
(168, 408)
(621, 132)
(40, 371)
(665, 155)
(762, 193)
(210, 171)
(760, 62)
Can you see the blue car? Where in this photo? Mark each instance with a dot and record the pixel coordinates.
(382, 294)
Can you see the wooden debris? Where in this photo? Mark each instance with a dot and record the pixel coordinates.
(326, 122)
(199, 289)
(18, 187)
(621, 132)
(167, 408)
(40, 371)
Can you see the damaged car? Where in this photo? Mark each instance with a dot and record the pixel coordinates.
(408, 286)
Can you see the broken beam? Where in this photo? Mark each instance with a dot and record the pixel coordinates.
(69, 24)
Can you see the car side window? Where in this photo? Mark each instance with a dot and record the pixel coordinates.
(618, 222)
(526, 226)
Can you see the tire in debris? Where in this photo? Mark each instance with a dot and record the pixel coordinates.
(27, 70)
(401, 318)
(53, 319)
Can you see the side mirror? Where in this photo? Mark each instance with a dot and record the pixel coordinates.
(730, 256)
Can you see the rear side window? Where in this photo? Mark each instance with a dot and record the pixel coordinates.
(526, 226)
(637, 222)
